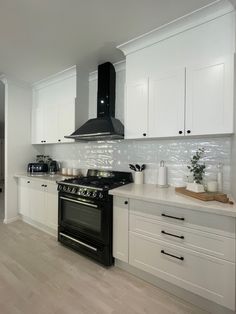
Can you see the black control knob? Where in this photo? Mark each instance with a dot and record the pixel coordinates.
(84, 192)
(69, 189)
(95, 194)
(89, 193)
(100, 195)
(59, 187)
(64, 188)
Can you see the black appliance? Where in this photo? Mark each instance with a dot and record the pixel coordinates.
(85, 213)
(53, 167)
(37, 168)
(105, 126)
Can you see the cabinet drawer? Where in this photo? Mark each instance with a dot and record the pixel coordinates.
(206, 276)
(204, 221)
(204, 242)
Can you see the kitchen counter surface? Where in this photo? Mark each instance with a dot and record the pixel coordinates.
(46, 177)
(168, 196)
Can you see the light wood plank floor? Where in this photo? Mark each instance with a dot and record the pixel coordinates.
(40, 276)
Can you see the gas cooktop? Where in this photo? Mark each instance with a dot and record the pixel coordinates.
(95, 181)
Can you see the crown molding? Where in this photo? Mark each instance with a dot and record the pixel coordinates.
(52, 79)
(205, 14)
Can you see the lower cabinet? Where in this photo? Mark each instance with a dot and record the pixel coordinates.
(38, 201)
(195, 254)
(121, 229)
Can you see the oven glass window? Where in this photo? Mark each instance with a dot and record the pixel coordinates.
(81, 216)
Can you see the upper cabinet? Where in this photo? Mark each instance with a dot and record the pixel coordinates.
(179, 79)
(53, 112)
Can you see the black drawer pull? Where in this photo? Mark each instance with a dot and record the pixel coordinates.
(28, 181)
(172, 235)
(171, 255)
(125, 202)
(173, 217)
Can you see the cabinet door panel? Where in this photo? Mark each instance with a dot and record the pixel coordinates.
(209, 98)
(66, 120)
(51, 123)
(38, 134)
(136, 119)
(51, 206)
(166, 104)
(24, 190)
(120, 229)
(37, 202)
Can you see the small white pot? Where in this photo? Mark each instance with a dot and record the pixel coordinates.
(195, 187)
(138, 177)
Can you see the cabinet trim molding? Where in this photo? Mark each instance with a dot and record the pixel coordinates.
(186, 22)
(60, 76)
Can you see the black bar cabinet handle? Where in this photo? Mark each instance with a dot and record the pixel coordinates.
(171, 255)
(173, 217)
(172, 235)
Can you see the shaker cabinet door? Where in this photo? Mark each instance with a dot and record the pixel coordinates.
(209, 98)
(51, 206)
(136, 110)
(166, 104)
(38, 124)
(37, 202)
(66, 121)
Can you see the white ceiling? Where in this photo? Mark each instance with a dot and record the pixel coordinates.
(41, 37)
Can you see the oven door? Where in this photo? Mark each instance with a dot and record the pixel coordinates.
(85, 217)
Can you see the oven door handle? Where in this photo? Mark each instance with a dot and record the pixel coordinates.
(77, 241)
(78, 202)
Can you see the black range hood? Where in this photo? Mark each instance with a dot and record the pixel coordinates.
(105, 126)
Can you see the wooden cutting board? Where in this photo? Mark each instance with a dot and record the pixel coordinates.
(205, 196)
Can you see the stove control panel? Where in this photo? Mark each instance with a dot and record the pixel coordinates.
(92, 193)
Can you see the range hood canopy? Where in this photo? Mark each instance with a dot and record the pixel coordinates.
(105, 126)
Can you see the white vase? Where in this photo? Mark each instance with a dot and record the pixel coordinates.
(195, 187)
(138, 177)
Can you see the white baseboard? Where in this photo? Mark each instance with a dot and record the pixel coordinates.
(10, 220)
(181, 293)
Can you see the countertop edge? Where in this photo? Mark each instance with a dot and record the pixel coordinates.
(47, 178)
(200, 206)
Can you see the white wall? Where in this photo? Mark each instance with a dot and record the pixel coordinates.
(18, 148)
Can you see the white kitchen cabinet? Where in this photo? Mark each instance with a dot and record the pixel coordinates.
(53, 111)
(204, 275)
(190, 77)
(192, 249)
(136, 112)
(209, 98)
(38, 201)
(166, 104)
(51, 206)
(24, 188)
(120, 229)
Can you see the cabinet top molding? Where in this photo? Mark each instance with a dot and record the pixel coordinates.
(184, 23)
(52, 79)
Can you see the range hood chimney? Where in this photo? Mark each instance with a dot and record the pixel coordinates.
(105, 126)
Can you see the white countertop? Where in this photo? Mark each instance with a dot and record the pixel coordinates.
(168, 196)
(45, 177)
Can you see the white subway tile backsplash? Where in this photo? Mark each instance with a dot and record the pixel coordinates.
(117, 155)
